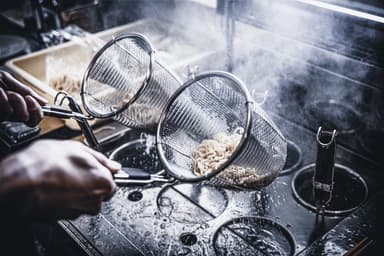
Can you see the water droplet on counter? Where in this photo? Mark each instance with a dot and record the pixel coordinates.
(135, 196)
(188, 238)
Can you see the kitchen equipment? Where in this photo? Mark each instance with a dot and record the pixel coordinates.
(134, 176)
(123, 81)
(124, 224)
(253, 236)
(209, 104)
(39, 69)
(219, 105)
(349, 191)
(138, 153)
(169, 197)
(326, 187)
(123, 73)
(140, 162)
(324, 170)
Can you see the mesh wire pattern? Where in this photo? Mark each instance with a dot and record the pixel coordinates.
(125, 82)
(145, 112)
(213, 103)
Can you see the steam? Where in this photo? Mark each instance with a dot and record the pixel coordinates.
(286, 59)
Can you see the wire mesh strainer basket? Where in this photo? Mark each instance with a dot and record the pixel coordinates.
(125, 82)
(211, 129)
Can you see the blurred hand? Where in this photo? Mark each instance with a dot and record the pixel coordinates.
(18, 102)
(56, 179)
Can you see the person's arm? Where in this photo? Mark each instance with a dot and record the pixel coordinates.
(18, 102)
(55, 179)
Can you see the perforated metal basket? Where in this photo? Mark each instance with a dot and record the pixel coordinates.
(218, 103)
(125, 82)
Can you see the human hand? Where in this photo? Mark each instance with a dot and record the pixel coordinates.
(56, 179)
(18, 102)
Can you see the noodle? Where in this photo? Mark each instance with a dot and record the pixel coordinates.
(66, 83)
(211, 153)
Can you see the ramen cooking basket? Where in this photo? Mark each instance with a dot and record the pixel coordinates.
(125, 82)
(217, 104)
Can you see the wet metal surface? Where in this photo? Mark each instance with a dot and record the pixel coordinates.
(253, 236)
(349, 190)
(365, 224)
(213, 201)
(187, 219)
(166, 219)
(372, 142)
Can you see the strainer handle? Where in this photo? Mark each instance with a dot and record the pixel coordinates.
(135, 176)
(61, 112)
(132, 173)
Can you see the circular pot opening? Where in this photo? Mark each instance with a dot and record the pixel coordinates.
(140, 154)
(253, 236)
(192, 203)
(349, 190)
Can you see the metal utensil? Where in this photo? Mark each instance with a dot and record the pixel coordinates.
(212, 103)
(134, 176)
(123, 81)
(62, 112)
(324, 170)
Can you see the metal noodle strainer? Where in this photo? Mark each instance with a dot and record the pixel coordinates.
(211, 129)
(208, 128)
(123, 81)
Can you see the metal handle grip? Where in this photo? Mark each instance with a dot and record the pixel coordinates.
(133, 173)
(324, 170)
(60, 112)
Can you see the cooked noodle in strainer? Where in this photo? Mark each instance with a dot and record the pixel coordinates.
(212, 153)
(211, 130)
